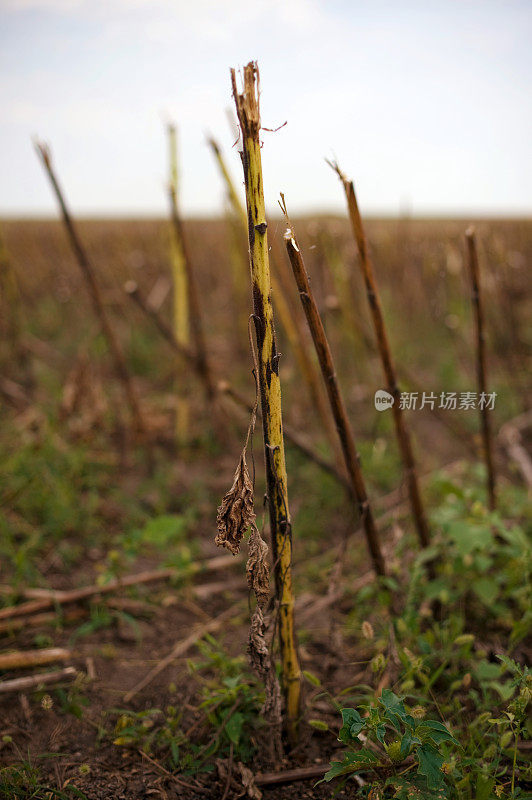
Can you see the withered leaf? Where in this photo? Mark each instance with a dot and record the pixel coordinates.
(248, 782)
(257, 568)
(260, 661)
(236, 514)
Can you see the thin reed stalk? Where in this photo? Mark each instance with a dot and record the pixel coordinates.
(236, 215)
(402, 433)
(94, 291)
(343, 426)
(247, 107)
(10, 306)
(482, 380)
(196, 316)
(180, 295)
(297, 336)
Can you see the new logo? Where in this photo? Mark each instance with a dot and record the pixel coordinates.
(383, 400)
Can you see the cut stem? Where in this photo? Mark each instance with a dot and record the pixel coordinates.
(247, 107)
(478, 310)
(289, 321)
(196, 317)
(180, 295)
(94, 292)
(336, 401)
(401, 430)
(237, 220)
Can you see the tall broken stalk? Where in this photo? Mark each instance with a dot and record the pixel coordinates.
(289, 321)
(336, 401)
(180, 285)
(236, 215)
(402, 433)
(247, 107)
(196, 316)
(478, 310)
(10, 305)
(94, 291)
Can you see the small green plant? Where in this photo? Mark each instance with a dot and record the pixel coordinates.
(153, 731)
(484, 561)
(23, 780)
(72, 700)
(512, 725)
(228, 716)
(396, 742)
(232, 701)
(102, 617)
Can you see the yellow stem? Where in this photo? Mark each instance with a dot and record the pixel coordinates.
(180, 296)
(270, 390)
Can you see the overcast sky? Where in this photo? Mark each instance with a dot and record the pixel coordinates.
(425, 104)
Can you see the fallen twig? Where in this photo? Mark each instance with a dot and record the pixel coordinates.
(36, 620)
(314, 771)
(47, 598)
(291, 775)
(19, 659)
(34, 681)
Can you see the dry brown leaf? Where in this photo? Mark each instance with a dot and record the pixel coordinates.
(261, 663)
(236, 514)
(248, 782)
(257, 569)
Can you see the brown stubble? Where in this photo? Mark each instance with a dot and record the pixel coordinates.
(481, 367)
(86, 267)
(336, 401)
(196, 316)
(402, 433)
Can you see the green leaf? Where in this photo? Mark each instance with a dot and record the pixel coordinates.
(407, 743)
(505, 690)
(233, 727)
(338, 768)
(161, 531)
(468, 537)
(390, 701)
(319, 724)
(436, 731)
(430, 762)
(394, 708)
(311, 678)
(484, 787)
(380, 732)
(352, 762)
(486, 590)
(511, 665)
(174, 749)
(486, 671)
(353, 724)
